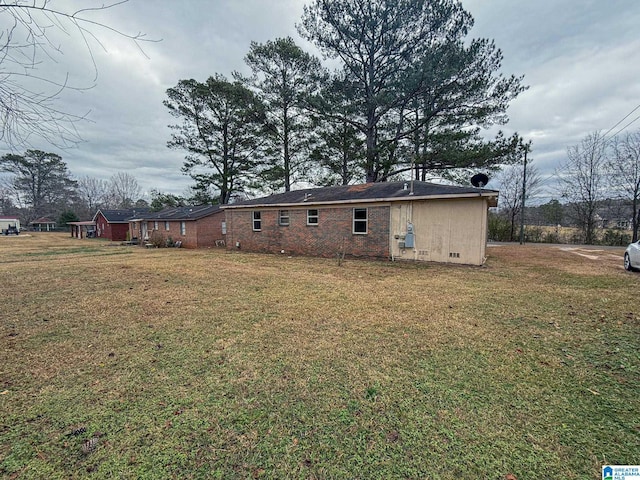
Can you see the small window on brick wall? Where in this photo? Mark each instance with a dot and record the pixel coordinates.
(183, 228)
(257, 221)
(312, 217)
(283, 218)
(166, 226)
(360, 221)
(155, 225)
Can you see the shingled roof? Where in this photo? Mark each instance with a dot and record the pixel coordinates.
(122, 215)
(180, 213)
(367, 192)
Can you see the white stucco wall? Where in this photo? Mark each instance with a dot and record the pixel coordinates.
(447, 230)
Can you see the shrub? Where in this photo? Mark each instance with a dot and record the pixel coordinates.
(615, 238)
(156, 239)
(551, 237)
(533, 234)
(499, 228)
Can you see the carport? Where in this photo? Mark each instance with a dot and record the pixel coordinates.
(84, 229)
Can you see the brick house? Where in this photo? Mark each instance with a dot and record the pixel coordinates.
(114, 224)
(199, 226)
(396, 220)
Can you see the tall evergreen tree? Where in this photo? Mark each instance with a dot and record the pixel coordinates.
(339, 150)
(41, 181)
(414, 76)
(221, 127)
(283, 76)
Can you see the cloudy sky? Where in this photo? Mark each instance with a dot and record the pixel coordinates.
(580, 58)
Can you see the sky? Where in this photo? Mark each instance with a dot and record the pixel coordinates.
(580, 59)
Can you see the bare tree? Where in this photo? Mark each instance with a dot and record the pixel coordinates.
(93, 192)
(510, 182)
(624, 166)
(28, 42)
(582, 179)
(124, 190)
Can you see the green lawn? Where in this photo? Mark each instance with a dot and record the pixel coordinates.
(124, 362)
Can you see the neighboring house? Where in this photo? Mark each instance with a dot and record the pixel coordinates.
(397, 220)
(114, 224)
(43, 224)
(194, 227)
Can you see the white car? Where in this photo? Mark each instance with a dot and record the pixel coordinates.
(632, 256)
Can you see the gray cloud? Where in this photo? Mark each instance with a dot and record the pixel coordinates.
(580, 58)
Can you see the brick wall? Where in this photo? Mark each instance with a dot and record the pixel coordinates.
(119, 232)
(332, 234)
(209, 230)
(103, 229)
(200, 233)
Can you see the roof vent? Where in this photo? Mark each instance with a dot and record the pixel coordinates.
(307, 196)
(405, 186)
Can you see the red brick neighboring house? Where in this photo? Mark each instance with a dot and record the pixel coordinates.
(200, 226)
(114, 224)
(397, 220)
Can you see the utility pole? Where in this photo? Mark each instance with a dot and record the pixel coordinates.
(524, 192)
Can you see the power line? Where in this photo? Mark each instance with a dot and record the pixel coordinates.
(628, 124)
(622, 120)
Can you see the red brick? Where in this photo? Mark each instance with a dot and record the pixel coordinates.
(332, 235)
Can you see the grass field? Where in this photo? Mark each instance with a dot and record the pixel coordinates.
(123, 362)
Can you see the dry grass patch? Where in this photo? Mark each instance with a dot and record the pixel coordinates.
(201, 364)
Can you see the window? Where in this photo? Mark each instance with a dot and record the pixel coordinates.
(312, 217)
(283, 218)
(360, 220)
(183, 228)
(257, 221)
(155, 225)
(223, 226)
(166, 226)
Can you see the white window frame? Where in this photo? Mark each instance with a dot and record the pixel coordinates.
(284, 218)
(310, 217)
(360, 220)
(166, 226)
(183, 228)
(155, 225)
(256, 221)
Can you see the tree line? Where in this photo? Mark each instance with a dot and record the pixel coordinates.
(40, 184)
(599, 181)
(408, 95)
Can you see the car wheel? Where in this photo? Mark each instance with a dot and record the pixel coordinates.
(627, 263)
